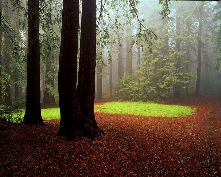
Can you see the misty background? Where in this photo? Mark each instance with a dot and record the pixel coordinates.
(141, 56)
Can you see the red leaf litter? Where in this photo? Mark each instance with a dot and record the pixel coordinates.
(132, 146)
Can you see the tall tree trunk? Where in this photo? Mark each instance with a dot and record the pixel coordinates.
(177, 62)
(87, 64)
(33, 107)
(71, 117)
(198, 81)
(0, 51)
(16, 70)
(8, 99)
(77, 115)
(188, 56)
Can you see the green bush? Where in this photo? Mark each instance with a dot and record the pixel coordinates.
(156, 79)
(10, 114)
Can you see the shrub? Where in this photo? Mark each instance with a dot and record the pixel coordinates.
(10, 114)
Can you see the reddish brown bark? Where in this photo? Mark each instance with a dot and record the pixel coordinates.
(0, 50)
(33, 107)
(69, 108)
(87, 64)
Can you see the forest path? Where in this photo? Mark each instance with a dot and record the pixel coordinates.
(132, 146)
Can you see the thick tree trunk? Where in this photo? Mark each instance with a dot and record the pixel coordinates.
(16, 70)
(87, 64)
(77, 115)
(71, 117)
(0, 51)
(33, 107)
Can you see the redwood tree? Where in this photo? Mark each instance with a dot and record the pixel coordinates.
(87, 64)
(77, 108)
(0, 51)
(33, 107)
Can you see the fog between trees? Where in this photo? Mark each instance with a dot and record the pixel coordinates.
(140, 56)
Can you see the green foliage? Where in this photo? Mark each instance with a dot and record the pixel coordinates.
(10, 114)
(166, 11)
(19, 103)
(128, 89)
(156, 78)
(145, 109)
(16, 115)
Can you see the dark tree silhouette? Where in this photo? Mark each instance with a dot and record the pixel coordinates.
(33, 107)
(71, 116)
(86, 79)
(77, 114)
(0, 49)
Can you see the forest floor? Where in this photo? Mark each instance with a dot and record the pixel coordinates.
(132, 146)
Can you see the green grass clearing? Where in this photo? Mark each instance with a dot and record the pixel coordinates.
(134, 108)
(145, 109)
(47, 114)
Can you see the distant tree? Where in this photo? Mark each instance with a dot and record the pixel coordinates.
(178, 61)
(129, 51)
(120, 58)
(111, 71)
(8, 97)
(99, 77)
(33, 107)
(199, 57)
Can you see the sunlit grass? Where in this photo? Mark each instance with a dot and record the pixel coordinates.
(135, 108)
(47, 114)
(145, 109)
